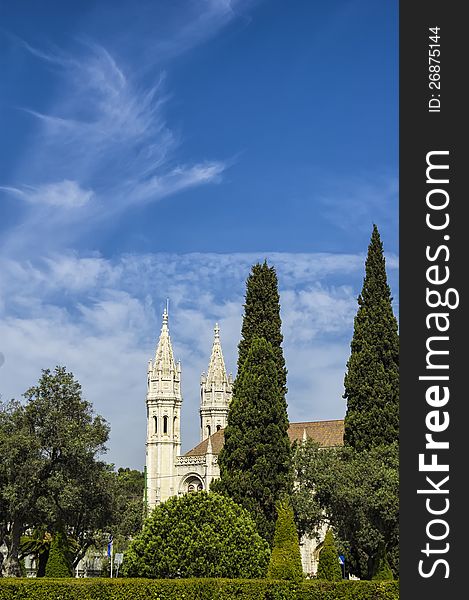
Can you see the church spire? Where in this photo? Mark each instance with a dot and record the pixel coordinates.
(215, 391)
(216, 374)
(163, 402)
(164, 365)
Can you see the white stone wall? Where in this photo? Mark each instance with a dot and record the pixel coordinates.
(202, 468)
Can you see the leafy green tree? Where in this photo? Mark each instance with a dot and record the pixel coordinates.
(329, 567)
(285, 561)
(197, 535)
(58, 564)
(20, 483)
(310, 463)
(372, 379)
(78, 496)
(127, 518)
(255, 461)
(358, 494)
(51, 473)
(262, 318)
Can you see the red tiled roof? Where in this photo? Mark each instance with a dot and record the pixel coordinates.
(217, 439)
(326, 433)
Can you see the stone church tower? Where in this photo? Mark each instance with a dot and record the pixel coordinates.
(170, 474)
(163, 401)
(215, 392)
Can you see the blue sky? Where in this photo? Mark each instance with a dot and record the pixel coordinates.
(158, 149)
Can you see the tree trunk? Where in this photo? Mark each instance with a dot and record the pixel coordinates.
(41, 563)
(11, 565)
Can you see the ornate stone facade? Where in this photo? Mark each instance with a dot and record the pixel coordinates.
(170, 474)
(164, 401)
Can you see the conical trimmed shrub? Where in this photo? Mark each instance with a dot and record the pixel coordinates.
(383, 570)
(285, 561)
(58, 564)
(329, 567)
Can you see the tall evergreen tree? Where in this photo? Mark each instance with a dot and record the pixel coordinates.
(262, 318)
(372, 379)
(255, 462)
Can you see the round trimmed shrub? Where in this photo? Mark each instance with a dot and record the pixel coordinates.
(197, 535)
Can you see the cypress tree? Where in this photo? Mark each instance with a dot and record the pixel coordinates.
(372, 378)
(58, 563)
(262, 318)
(255, 461)
(285, 561)
(329, 567)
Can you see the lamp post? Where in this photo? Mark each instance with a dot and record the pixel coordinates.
(109, 551)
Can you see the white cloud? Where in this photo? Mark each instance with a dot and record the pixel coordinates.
(101, 318)
(310, 311)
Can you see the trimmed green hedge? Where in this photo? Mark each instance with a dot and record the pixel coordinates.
(194, 589)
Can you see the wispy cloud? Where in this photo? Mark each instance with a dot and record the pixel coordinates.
(63, 194)
(104, 146)
(203, 21)
(364, 199)
(106, 124)
(180, 178)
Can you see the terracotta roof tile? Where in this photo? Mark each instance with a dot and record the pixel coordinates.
(326, 433)
(217, 440)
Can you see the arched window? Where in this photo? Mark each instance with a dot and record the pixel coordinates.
(194, 485)
(165, 424)
(218, 427)
(208, 430)
(155, 423)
